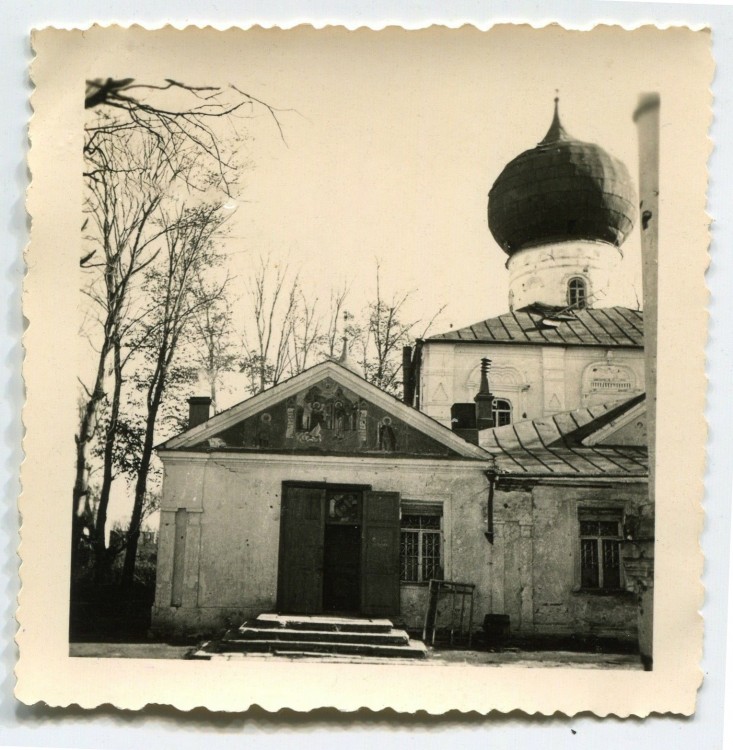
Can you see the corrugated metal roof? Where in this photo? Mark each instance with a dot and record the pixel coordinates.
(607, 327)
(552, 445)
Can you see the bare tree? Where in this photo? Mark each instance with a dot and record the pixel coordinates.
(182, 117)
(212, 342)
(141, 140)
(99, 535)
(306, 336)
(336, 325)
(272, 304)
(187, 255)
(126, 181)
(383, 332)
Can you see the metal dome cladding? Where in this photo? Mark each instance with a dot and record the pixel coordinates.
(563, 189)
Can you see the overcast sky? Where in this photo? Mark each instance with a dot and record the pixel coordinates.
(392, 147)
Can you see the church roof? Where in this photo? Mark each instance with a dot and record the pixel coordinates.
(538, 324)
(564, 445)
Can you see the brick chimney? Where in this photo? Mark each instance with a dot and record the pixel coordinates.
(484, 399)
(199, 410)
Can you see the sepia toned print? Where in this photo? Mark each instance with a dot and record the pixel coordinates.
(369, 367)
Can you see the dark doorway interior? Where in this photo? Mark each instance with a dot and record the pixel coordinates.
(341, 568)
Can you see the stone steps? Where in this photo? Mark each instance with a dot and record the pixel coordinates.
(247, 633)
(409, 650)
(322, 623)
(316, 636)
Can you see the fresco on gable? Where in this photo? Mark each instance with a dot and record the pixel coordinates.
(328, 418)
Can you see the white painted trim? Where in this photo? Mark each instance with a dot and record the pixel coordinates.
(282, 391)
(170, 457)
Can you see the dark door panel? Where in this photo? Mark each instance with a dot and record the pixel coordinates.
(300, 587)
(380, 590)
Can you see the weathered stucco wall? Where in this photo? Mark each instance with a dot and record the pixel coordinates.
(531, 572)
(233, 525)
(535, 568)
(541, 273)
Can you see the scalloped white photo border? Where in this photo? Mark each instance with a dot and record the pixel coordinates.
(46, 673)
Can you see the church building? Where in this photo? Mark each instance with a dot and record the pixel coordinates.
(561, 212)
(515, 463)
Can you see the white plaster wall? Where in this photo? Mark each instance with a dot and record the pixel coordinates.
(232, 542)
(541, 274)
(538, 380)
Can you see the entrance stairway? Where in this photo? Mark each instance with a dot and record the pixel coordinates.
(321, 636)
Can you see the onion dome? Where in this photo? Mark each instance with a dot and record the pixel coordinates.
(563, 189)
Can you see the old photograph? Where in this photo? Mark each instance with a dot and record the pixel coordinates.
(364, 332)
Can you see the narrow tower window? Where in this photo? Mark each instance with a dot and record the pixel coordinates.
(577, 293)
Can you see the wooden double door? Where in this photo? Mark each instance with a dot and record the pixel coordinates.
(339, 550)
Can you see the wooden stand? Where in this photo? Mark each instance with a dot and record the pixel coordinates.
(454, 589)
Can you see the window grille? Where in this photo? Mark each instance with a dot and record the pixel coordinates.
(600, 567)
(420, 547)
(577, 293)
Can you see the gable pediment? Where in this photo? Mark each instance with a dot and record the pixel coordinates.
(328, 410)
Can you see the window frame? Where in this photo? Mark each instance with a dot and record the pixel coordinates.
(604, 515)
(572, 298)
(423, 510)
(508, 410)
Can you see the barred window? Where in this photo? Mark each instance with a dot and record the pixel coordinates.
(421, 546)
(600, 537)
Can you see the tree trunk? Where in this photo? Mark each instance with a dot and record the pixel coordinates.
(213, 393)
(101, 553)
(141, 485)
(80, 495)
(213, 373)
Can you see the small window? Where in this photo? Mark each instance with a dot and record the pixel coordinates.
(342, 507)
(577, 293)
(501, 411)
(421, 547)
(600, 560)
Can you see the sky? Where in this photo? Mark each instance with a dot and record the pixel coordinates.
(391, 142)
(390, 152)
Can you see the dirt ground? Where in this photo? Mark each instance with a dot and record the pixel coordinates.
(506, 658)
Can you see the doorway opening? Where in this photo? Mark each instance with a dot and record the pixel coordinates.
(342, 551)
(341, 569)
(339, 550)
